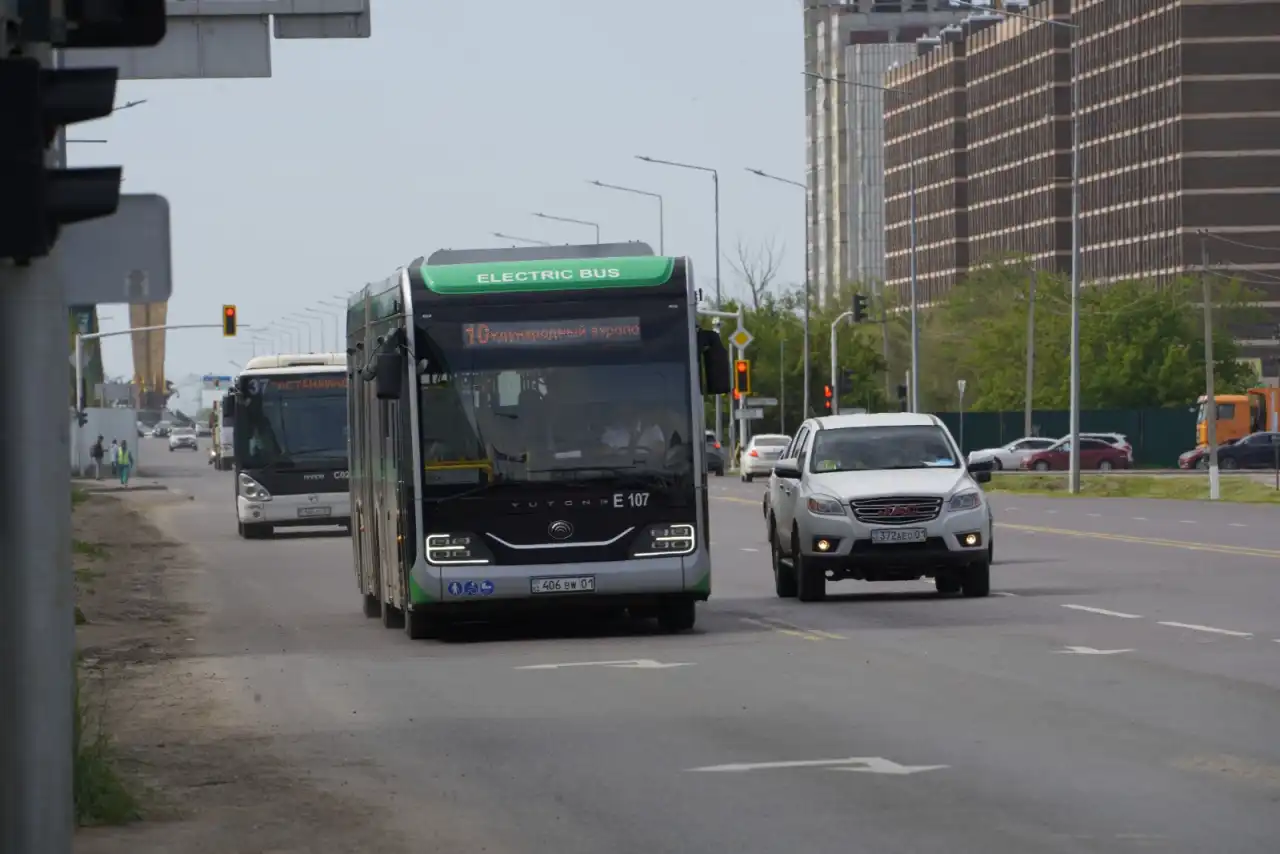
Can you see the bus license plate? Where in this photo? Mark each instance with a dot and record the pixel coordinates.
(898, 535)
(308, 512)
(565, 584)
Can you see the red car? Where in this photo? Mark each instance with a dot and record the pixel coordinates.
(1094, 454)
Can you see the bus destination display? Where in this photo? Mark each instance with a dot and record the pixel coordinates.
(599, 330)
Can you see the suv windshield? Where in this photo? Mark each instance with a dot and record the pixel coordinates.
(881, 448)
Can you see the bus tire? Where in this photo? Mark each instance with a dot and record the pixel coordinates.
(420, 625)
(677, 615)
(372, 607)
(392, 617)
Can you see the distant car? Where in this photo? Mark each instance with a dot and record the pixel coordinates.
(183, 439)
(1010, 456)
(761, 453)
(1255, 451)
(204, 430)
(1118, 440)
(1198, 458)
(715, 455)
(164, 428)
(1094, 454)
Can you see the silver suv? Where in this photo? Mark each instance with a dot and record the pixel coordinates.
(883, 497)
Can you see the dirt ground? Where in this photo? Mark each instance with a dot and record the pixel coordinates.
(205, 783)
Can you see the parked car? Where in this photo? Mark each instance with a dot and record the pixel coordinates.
(1010, 456)
(183, 439)
(1198, 458)
(1094, 454)
(1255, 451)
(761, 453)
(715, 455)
(884, 497)
(1118, 440)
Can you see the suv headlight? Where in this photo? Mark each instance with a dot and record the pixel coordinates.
(253, 490)
(665, 541)
(456, 550)
(824, 505)
(965, 500)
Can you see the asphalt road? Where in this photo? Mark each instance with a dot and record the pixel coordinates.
(977, 727)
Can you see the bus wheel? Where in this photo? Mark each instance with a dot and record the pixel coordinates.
(392, 617)
(677, 615)
(419, 625)
(372, 607)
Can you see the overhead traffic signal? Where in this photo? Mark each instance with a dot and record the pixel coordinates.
(741, 377)
(228, 321)
(859, 308)
(827, 393)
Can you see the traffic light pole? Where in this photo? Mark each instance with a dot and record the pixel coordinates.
(94, 336)
(835, 389)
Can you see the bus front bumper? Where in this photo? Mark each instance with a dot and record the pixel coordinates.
(332, 508)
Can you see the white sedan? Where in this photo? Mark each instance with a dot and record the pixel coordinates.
(1010, 456)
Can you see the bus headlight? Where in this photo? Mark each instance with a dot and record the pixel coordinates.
(665, 541)
(456, 550)
(253, 490)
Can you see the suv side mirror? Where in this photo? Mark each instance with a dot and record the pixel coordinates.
(982, 476)
(229, 406)
(715, 363)
(789, 469)
(981, 465)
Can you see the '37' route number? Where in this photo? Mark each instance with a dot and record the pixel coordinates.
(630, 499)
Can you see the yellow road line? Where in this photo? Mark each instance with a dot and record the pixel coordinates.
(738, 500)
(792, 630)
(1218, 548)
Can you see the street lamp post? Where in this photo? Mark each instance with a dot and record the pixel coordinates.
(305, 322)
(320, 316)
(662, 249)
(914, 389)
(1073, 478)
(808, 282)
(339, 306)
(530, 240)
(297, 326)
(715, 186)
(586, 222)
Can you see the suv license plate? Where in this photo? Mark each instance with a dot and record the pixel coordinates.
(566, 584)
(305, 512)
(898, 535)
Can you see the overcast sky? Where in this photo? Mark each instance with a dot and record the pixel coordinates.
(456, 120)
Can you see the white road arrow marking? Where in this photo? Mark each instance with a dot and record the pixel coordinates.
(630, 664)
(859, 764)
(1088, 650)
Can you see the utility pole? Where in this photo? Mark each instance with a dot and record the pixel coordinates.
(782, 386)
(835, 389)
(1210, 399)
(1031, 355)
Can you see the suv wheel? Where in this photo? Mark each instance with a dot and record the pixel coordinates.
(976, 580)
(946, 585)
(784, 577)
(811, 582)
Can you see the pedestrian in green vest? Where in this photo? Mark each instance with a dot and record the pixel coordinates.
(124, 463)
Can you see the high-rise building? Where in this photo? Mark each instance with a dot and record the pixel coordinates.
(1179, 149)
(851, 41)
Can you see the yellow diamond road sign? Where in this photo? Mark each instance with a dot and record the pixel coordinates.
(741, 338)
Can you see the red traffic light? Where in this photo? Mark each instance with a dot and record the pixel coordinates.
(826, 391)
(228, 321)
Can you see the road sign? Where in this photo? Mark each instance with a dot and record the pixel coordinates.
(750, 414)
(861, 764)
(741, 338)
(123, 258)
(762, 401)
(632, 664)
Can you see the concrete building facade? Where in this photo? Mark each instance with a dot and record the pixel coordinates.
(1179, 148)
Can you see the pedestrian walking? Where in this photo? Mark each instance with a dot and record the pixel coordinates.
(112, 457)
(124, 460)
(96, 453)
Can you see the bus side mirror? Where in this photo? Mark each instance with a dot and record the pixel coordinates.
(715, 363)
(388, 373)
(229, 406)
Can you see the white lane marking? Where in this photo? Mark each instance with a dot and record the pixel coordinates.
(863, 764)
(1140, 519)
(1104, 612)
(630, 664)
(1237, 525)
(750, 550)
(1051, 511)
(1003, 593)
(1096, 515)
(1188, 522)
(1088, 650)
(1210, 629)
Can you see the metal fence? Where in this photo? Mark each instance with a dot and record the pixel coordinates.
(1158, 436)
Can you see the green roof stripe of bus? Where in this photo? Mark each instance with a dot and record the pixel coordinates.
(572, 274)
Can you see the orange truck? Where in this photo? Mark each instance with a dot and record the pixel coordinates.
(1239, 415)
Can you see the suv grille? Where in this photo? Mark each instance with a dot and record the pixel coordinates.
(896, 510)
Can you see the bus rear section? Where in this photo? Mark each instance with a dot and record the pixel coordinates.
(290, 442)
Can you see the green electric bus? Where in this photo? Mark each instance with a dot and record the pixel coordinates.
(526, 431)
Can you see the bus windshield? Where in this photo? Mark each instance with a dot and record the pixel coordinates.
(554, 403)
(293, 420)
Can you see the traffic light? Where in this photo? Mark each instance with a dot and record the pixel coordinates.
(827, 393)
(741, 377)
(859, 308)
(228, 321)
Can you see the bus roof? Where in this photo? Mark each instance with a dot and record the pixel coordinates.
(551, 274)
(296, 360)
